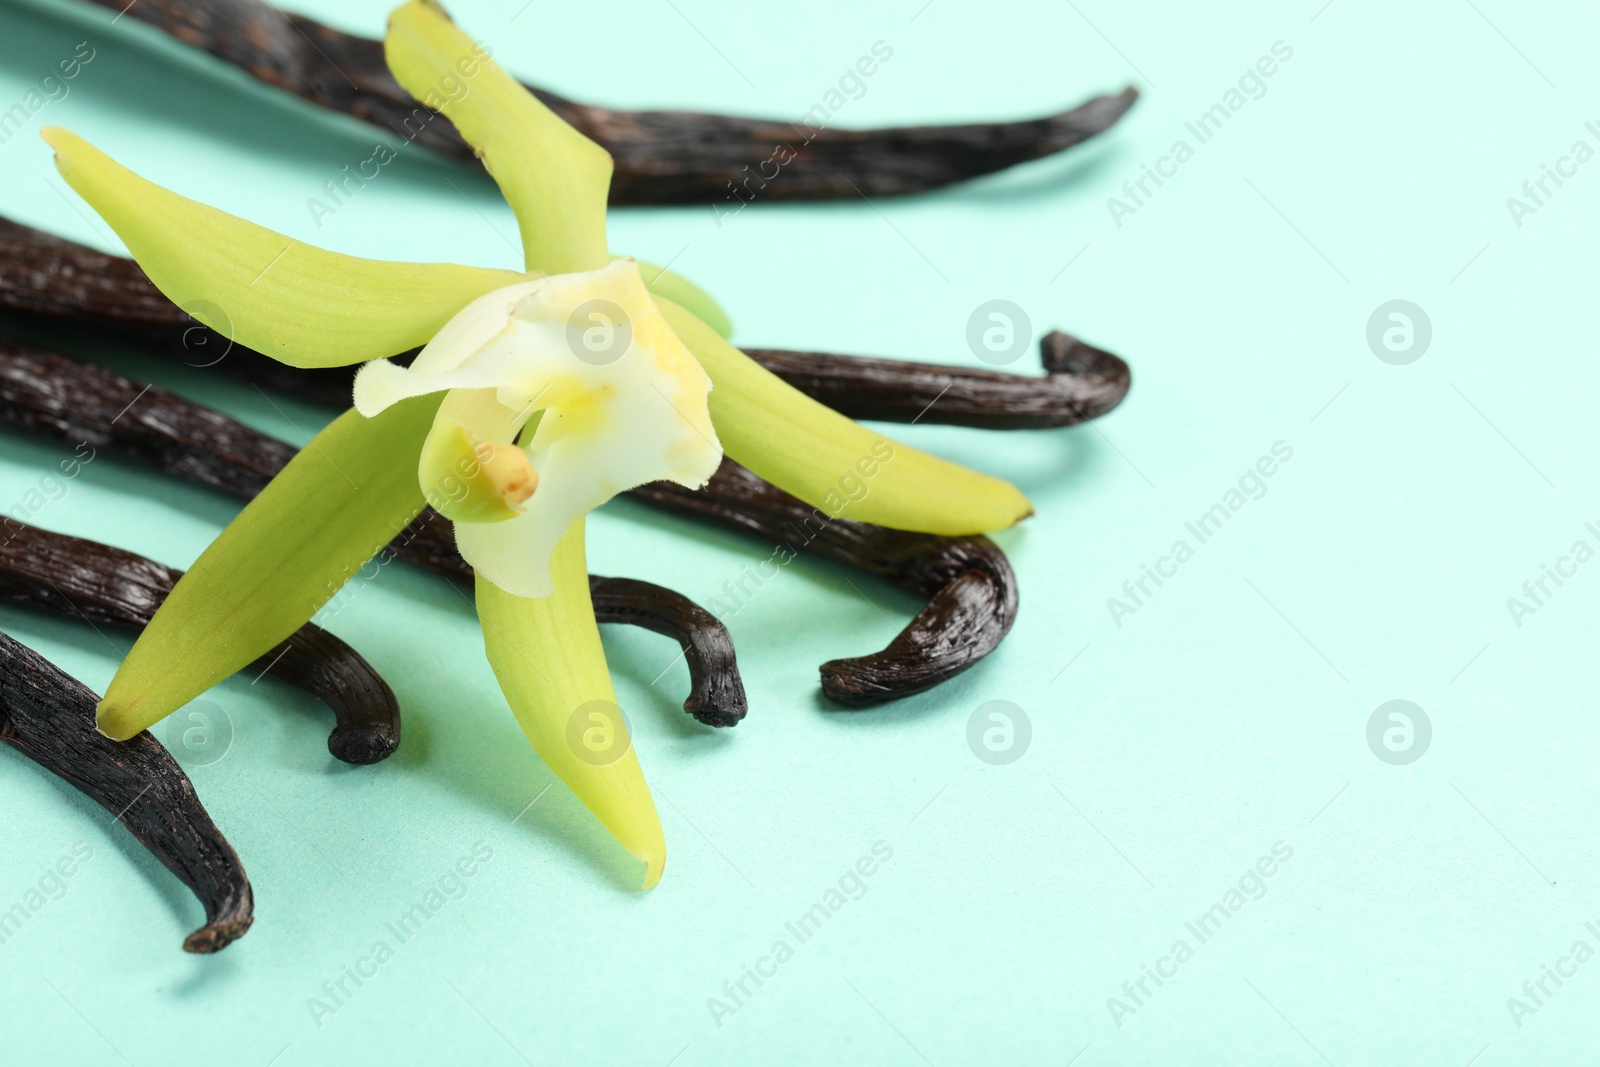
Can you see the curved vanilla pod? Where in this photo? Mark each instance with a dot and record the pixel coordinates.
(968, 614)
(55, 396)
(662, 157)
(48, 716)
(716, 692)
(716, 695)
(49, 277)
(103, 585)
(971, 588)
(1081, 382)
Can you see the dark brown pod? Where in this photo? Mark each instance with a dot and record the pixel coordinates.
(1081, 382)
(662, 157)
(716, 694)
(48, 716)
(971, 588)
(51, 278)
(56, 396)
(46, 276)
(107, 586)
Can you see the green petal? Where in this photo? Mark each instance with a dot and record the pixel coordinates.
(546, 654)
(297, 303)
(835, 463)
(687, 295)
(554, 178)
(341, 500)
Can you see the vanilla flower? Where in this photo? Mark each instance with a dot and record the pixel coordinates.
(537, 396)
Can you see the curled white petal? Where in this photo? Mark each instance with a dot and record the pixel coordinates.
(582, 372)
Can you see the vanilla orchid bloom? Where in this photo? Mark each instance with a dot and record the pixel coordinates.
(597, 417)
(537, 396)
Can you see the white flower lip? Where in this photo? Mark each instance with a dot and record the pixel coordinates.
(619, 402)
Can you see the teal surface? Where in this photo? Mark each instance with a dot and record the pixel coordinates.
(1179, 751)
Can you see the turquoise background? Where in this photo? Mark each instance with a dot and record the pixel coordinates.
(1168, 754)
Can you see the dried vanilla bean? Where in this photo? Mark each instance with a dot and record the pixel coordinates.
(716, 695)
(1081, 383)
(47, 276)
(43, 275)
(662, 157)
(48, 716)
(107, 586)
(972, 589)
(55, 396)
